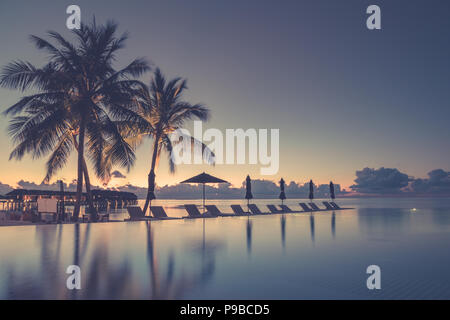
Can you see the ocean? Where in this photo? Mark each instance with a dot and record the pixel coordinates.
(322, 255)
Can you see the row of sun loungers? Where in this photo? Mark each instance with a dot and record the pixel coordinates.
(158, 212)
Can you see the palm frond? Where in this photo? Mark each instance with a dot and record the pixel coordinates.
(31, 103)
(60, 155)
(18, 75)
(78, 82)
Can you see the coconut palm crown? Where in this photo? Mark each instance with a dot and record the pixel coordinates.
(162, 111)
(78, 99)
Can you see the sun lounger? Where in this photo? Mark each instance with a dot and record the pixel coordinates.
(254, 209)
(136, 213)
(159, 213)
(314, 206)
(327, 205)
(285, 208)
(305, 207)
(273, 209)
(335, 205)
(215, 212)
(237, 209)
(193, 212)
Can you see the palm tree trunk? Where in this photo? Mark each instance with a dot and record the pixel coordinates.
(90, 202)
(151, 175)
(92, 210)
(76, 211)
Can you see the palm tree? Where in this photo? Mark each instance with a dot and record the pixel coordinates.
(66, 143)
(162, 111)
(80, 98)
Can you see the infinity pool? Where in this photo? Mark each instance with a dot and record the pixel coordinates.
(294, 256)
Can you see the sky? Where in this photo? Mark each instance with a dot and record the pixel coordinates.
(343, 97)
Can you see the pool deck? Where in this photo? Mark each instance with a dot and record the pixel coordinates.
(15, 223)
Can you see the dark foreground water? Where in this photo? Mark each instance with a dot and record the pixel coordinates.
(295, 256)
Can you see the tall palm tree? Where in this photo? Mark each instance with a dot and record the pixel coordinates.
(162, 111)
(80, 97)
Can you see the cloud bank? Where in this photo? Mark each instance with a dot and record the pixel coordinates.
(260, 188)
(369, 181)
(385, 181)
(438, 182)
(380, 181)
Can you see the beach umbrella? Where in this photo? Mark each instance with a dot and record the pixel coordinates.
(204, 178)
(248, 186)
(282, 194)
(332, 196)
(311, 190)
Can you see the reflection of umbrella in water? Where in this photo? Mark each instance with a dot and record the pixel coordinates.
(204, 178)
(311, 224)
(332, 196)
(282, 194)
(208, 251)
(249, 236)
(171, 287)
(248, 193)
(333, 224)
(283, 230)
(311, 190)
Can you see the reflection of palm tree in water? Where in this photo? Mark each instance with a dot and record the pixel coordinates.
(152, 261)
(171, 289)
(102, 280)
(77, 257)
(333, 224)
(283, 231)
(76, 244)
(105, 281)
(76, 253)
(50, 264)
(49, 258)
(311, 224)
(49, 268)
(52, 274)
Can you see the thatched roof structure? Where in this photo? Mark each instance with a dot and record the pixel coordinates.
(97, 194)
